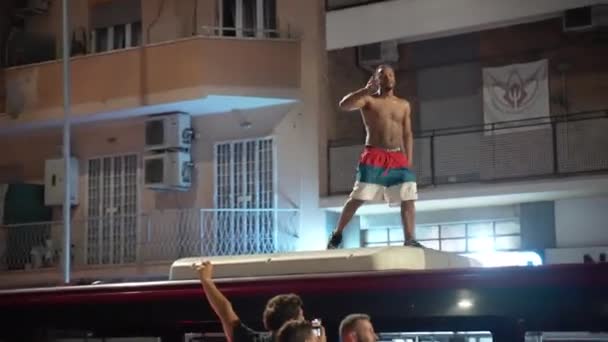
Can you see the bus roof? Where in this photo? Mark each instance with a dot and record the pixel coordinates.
(387, 258)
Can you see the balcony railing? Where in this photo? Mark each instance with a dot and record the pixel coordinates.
(241, 32)
(545, 147)
(334, 5)
(195, 66)
(159, 237)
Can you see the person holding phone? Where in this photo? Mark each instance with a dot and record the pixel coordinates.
(279, 309)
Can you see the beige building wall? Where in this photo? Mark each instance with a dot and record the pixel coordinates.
(299, 129)
(162, 20)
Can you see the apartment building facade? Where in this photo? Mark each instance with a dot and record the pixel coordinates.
(273, 158)
(248, 76)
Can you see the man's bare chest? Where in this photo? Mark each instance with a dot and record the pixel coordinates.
(384, 113)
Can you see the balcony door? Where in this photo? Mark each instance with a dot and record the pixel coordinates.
(247, 18)
(112, 210)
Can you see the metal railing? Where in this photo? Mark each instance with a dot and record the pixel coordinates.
(335, 5)
(540, 147)
(28, 246)
(173, 234)
(160, 236)
(240, 32)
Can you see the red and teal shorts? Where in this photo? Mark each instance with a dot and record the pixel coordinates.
(383, 173)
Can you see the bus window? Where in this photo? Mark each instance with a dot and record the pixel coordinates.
(566, 336)
(204, 337)
(436, 336)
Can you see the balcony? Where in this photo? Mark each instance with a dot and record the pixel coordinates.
(358, 22)
(334, 5)
(129, 247)
(551, 147)
(165, 73)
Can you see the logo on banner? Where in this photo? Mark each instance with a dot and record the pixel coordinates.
(516, 93)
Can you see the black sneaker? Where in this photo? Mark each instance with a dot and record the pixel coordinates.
(413, 243)
(335, 240)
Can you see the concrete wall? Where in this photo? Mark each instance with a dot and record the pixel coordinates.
(192, 68)
(307, 19)
(446, 216)
(442, 77)
(449, 78)
(423, 19)
(581, 222)
(575, 255)
(537, 225)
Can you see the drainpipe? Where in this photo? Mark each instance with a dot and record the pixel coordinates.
(67, 85)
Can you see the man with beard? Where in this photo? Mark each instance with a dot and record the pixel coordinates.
(384, 168)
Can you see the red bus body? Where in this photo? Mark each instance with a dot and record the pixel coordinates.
(509, 302)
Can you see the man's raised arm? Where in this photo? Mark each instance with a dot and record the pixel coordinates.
(359, 98)
(220, 304)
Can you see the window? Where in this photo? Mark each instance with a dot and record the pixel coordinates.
(503, 235)
(247, 18)
(245, 196)
(436, 336)
(244, 174)
(116, 37)
(112, 210)
(115, 24)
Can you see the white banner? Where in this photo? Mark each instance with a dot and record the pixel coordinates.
(516, 92)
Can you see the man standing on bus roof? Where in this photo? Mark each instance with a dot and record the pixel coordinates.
(279, 309)
(385, 165)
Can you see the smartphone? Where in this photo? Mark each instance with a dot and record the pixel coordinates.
(316, 326)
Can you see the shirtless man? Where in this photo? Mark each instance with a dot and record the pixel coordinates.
(384, 166)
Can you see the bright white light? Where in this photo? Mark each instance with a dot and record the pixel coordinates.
(498, 259)
(482, 244)
(465, 304)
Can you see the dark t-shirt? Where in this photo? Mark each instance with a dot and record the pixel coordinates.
(243, 333)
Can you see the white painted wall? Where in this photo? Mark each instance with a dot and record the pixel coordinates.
(422, 19)
(581, 222)
(444, 216)
(472, 195)
(450, 96)
(573, 255)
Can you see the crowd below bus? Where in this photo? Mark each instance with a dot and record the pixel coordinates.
(283, 318)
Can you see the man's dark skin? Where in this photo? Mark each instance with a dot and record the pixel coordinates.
(387, 120)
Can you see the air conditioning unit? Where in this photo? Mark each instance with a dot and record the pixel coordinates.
(585, 18)
(171, 170)
(54, 182)
(372, 55)
(169, 132)
(27, 8)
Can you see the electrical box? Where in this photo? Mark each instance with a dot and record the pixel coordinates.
(54, 182)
